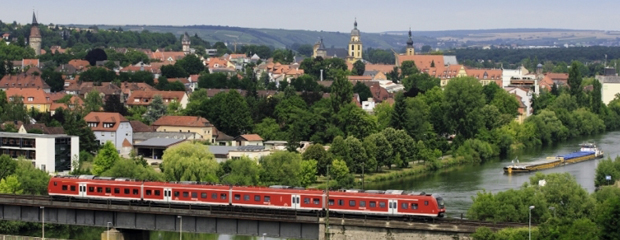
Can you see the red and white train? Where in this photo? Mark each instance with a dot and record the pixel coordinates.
(388, 203)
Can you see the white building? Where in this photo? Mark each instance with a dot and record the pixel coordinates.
(50, 153)
(112, 127)
(610, 87)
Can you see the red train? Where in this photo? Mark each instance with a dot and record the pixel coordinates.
(370, 202)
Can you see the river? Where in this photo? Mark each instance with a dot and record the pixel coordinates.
(457, 185)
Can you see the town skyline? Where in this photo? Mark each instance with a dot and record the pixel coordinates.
(324, 15)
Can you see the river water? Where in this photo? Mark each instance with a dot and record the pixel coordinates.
(459, 184)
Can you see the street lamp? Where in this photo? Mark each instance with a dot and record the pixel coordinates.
(180, 227)
(530, 226)
(108, 232)
(43, 222)
(327, 205)
(553, 209)
(264, 234)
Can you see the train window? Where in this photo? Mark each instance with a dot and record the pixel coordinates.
(73, 188)
(404, 206)
(381, 204)
(425, 203)
(351, 203)
(185, 194)
(99, 189)
(194, 195)
(246, 197)
(135, 191)
(157, 192)
(126, 191)
(55, 183)
(362, 203)
(315, 201)
(306, 200)
(256, 198)
(176, 193)
(340, 202)
(203, 195)
(373, 204)
(237, 197)
(223, 196)
(64, 187)
(267, 199)
(108, 190)
(214, 195)
(149, 192)
(331, 202)
(91, 189)
(414, 206)
(117, 190)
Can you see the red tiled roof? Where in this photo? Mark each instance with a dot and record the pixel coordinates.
(23, 81)
(146, 97)
(30, 95)
(491, 74)
(251, 137)
(105, 117)
(138, 126)
(79, 64)
(359, 78)
(182, 121)
(126, 143)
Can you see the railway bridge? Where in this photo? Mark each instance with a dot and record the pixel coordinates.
(136, 220)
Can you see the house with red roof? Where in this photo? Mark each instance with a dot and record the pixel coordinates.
(249, 140)
(190, 124)
(111, 127)
(144, 98)
(24, 80)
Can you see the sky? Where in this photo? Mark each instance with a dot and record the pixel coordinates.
(326, 15)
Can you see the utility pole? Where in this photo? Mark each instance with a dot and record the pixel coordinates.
(363, 176)
(327, 206)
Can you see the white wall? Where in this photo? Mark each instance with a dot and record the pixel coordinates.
(609, 91)
(75, 150)
(45, 154)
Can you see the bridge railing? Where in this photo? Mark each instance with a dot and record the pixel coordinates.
(11, 237)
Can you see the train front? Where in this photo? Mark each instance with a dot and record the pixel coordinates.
(441, 205)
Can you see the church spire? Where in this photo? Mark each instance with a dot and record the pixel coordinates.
(34, 19)
(410, 40)
(355, 23)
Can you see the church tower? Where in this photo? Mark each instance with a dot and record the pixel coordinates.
(186, 43)
(35, 36)
(410, 49)
(355, 45)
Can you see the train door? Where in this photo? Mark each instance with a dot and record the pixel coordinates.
(167, 194)
(82, 190)
(393, 207)
(295, 202)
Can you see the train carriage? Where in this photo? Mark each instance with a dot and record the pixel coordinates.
(372, 202)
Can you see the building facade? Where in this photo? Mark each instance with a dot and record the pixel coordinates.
(186, 43)
(355, 45)
(111, 127)
(50, 153)
(185, 124)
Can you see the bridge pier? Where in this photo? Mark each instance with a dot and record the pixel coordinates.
(125, 234)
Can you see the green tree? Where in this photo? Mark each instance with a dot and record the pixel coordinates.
(379, 149)
(354, 121)
(15, 110)
(127, 168)
(308, 172)
(189, 162)
(464, 100)
(229, 112)
(399, 117)
(8, 166)
(317, 152)
(338, 148)
(402, 147)
(358, 68)
(574, 79)
(32, 180)
(362, 90)
(105, 159)
(505, 102)
(340, 173)
(342, 91)
(269, 129)
(417, 124)
(113, 104)
(10, 185)
(408, 68)
(93, 102)
(244, 171)
(608, 218)
(191, 64)
(356, 154)
(54, 80)
(144, 76)
(156, 109)
(282, 168)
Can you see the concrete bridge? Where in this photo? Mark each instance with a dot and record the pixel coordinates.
(135, 221)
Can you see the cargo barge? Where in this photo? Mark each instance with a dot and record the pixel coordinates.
(588, 151)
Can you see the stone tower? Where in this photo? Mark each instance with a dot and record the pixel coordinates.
(35, 36)
(355, 45)
(186, 43)
(410, 49)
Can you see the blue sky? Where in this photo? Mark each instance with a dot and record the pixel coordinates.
(334, 15)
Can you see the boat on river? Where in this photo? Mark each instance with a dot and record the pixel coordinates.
(588, 151)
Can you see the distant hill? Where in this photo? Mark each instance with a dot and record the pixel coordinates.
(281, 38)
